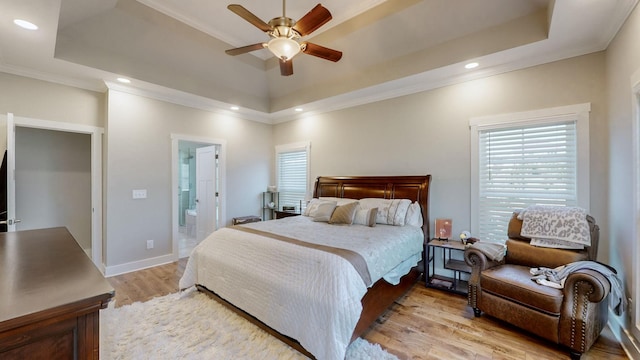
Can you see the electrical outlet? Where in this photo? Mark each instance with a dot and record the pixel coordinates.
(139, 194)
(149, 244)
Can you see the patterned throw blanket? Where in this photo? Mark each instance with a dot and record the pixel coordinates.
(556, 227)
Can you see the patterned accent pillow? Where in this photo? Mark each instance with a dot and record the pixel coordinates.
(390, 211)
(324, 211)
(312, 207)
(344, 214)
(366, 217)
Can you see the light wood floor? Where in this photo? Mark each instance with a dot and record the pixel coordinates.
(424, 324)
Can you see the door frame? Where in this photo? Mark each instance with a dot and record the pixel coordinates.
(175, 181)
(96, 171)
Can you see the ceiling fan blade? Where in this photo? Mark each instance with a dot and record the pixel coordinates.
(312, 20)
(245, 49)
(248, 15)
(286, 67)
(321, 51)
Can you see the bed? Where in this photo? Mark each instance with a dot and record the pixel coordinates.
(294, 278)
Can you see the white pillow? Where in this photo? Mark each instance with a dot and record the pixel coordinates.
(324, 211)
(414, 215)
(339, 201)
(390, 211)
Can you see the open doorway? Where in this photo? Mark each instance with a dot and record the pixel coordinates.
(198, 168)
(53, 182)
(59, 171)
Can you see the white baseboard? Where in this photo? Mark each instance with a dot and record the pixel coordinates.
(138, 265)
(629, 344)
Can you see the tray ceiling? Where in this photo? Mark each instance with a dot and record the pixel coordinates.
(177, 47)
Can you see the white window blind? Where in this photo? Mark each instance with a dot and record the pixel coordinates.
(292, 172)
(520, 159)
(524, 166)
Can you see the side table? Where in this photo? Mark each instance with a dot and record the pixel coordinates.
(453, 284)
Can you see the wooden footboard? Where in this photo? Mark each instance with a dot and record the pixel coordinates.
(379, 297)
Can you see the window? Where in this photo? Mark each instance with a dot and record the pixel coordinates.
(539, 157)
(292, 171)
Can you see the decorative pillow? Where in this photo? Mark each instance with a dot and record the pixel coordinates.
(390, 211)
(312, 206)
(324, 211)
(344, 214)
(366, 217)
(414, 215)
(340, 201)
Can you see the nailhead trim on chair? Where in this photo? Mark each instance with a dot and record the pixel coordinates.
(472, 290)
(585, 302)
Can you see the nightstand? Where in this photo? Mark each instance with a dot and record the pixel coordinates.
(453, 284)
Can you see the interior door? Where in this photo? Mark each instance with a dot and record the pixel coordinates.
(206, 222)
(11, 170)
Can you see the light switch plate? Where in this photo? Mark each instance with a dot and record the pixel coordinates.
(139, 194)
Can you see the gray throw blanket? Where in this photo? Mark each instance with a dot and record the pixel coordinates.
(493, 251)
(556, 278)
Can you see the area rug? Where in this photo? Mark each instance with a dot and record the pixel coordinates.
(190, 325)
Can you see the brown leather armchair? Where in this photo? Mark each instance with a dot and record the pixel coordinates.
(572, 317)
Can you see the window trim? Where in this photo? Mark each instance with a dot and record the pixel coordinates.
(298, 146)
(635, 95)
(577, 112)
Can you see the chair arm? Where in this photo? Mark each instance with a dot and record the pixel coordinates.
(478, 262)
(588, 283)
(584, 310)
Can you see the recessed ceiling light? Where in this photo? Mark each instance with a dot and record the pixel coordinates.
(25, 24)
(124, 80)
(299, 109)
(471, 65)
(235, 108)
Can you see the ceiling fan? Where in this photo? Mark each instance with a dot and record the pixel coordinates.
(284, 33)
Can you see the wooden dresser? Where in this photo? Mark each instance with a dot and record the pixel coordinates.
(50, 297)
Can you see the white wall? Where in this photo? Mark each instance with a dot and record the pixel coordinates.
(43, 100)
(622, 61)
(53, 181)
(138, 143)
(428, 133)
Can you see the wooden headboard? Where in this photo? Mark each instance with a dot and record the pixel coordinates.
(414, 188)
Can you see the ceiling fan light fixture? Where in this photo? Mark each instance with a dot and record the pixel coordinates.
(284, 48)
(285, 34)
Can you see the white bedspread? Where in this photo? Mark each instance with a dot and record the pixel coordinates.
(310, 295)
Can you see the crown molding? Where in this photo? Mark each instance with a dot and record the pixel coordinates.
(493, 64)
(178, 97)
(91, 85)
(618, 19)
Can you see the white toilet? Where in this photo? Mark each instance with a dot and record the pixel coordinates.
(190, 220)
